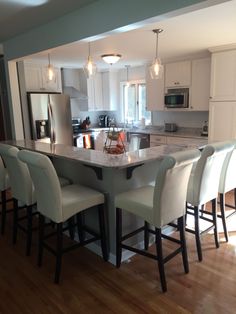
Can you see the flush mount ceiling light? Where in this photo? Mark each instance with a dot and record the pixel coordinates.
(156, 69)
(111, 58)
(90, 67)
(50, 72)
(127, 75)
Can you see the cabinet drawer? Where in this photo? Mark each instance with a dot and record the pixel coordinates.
(156, 140)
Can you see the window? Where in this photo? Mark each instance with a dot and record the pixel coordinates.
(134, 102)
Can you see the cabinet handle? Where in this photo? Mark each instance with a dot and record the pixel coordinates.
(210, 97)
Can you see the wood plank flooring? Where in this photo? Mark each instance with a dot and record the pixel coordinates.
(89, 285)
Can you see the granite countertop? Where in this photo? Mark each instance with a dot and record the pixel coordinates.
(100, 158)
(159, 130)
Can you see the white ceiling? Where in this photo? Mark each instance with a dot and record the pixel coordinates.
(186, 35)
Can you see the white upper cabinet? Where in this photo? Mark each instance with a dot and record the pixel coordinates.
(223, 76)
(222, 120)
(36, 79)
(178, 74)
(200, 87)
(110, 88)
(154, 93)
(94, 85)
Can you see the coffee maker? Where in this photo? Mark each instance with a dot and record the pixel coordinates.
(103, 121)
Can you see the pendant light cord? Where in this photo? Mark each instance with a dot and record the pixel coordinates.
(157, 44)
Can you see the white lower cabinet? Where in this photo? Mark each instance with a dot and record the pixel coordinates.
(182, 140)
(222, 120)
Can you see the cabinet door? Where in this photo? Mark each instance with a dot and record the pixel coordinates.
(33, 78)
(222, 120)
(200, 91)
(110, 88)
(157, 140)
(178, 74)
(55, 84)
(223, 76)
(154, 93)
(94, 85)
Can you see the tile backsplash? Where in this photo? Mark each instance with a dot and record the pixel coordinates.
(184, 119)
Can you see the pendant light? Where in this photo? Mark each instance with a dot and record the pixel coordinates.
(156, 69)
(50, 71)
(90, 68)
(127, 75)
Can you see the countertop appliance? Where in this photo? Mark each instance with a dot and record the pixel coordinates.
(177, 98)
(205, 129)
(170, 127)
(50, 116)
(76, 125)
(103, 121)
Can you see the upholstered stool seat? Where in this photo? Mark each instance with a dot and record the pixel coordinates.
(60, 204)
(203, 187)
(158, 206)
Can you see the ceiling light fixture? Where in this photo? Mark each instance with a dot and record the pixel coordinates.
(127, 75)
(111, 58)
(50, 72)
(90, 67)
(156, 69)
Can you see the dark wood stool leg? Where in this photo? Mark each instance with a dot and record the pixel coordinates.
(15, 219)
(118, 236)
(181, 224)
(58, 252)
(80, 224)
(71, 224)
(214, 214)
(40, 239)
(160, 260)
(4, 208)
(101, 213)
(222, 211)
(197, 233)
(29, 230)
(146, 235)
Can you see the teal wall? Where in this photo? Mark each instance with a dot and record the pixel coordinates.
(96, 18)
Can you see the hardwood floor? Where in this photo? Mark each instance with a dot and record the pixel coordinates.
(89, 285)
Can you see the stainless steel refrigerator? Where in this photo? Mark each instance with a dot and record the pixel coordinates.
(50, 117)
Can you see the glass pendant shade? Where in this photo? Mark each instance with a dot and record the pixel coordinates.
(156, 69)
(50, 71)
(90, 67)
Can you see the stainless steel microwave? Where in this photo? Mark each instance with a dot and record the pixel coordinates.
(177, 98)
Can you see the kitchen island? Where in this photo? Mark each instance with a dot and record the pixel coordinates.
(110, 174)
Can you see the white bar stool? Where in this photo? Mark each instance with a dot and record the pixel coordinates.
(159, 205)
(60, 204)
(203, 188)
(227, 183)
(4, 185)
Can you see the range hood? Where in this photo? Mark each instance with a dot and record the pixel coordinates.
(74, 83)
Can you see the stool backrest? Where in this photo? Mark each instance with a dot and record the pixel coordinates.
(46, 182)
(169, 198)
(20, 180)
(207, 172)
(228, 172)
(4, 184)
